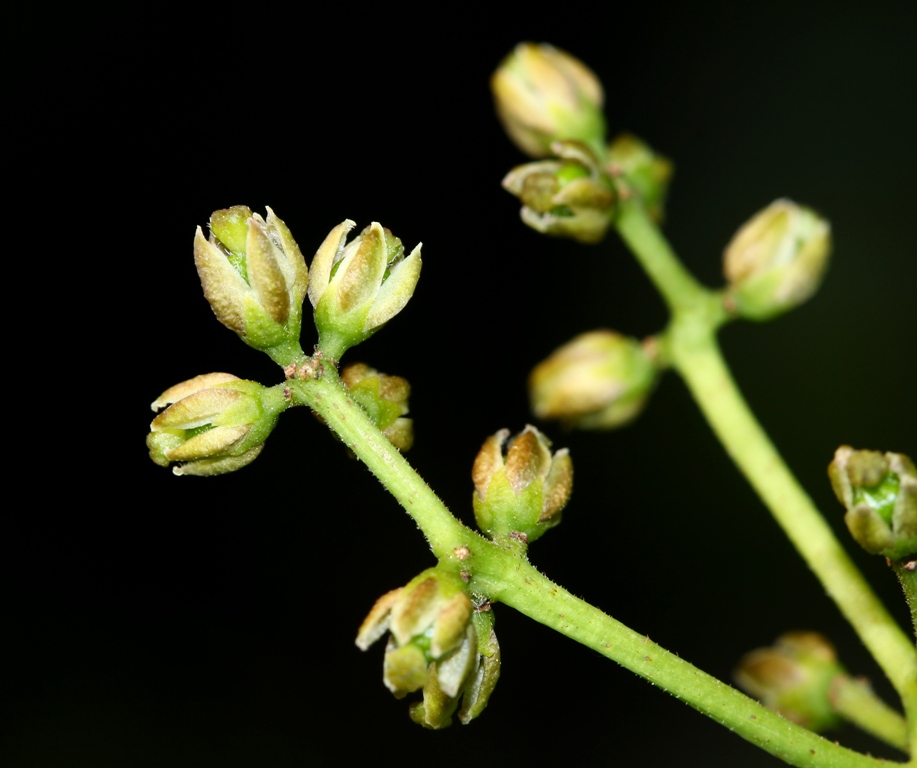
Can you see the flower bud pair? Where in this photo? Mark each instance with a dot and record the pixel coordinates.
(253, 275)
(599, 380)
(566, 197)
(879, 491)
(385, 400)
(543, 94)
(520, 487)
(214, 423)
(359, 286)
(776, 261)
(434, 645)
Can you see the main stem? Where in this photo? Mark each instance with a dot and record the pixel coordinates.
(692, 347)
(507, 577)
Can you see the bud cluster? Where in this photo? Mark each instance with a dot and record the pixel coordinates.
(794, 677)
(598, 380)
(253, 275)
(566, 197)
(385, 399)
(214, 424)
(646, 173)
(543, 94)
(438, 643)
(520, 486)
(359, 286)
(879, 491)
(776, 261)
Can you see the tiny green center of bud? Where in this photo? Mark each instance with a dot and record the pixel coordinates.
(570, 173)
(880, 497)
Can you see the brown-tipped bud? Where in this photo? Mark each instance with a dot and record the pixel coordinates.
(385, 399)
(433, 644)
(599, 380)
(520, 487)
(646, 172)
(214, 424)
(568, 197)
(357, 287)
(776, 261)
(543, 94)
(253, 275)
(794, 678)
(879, 491)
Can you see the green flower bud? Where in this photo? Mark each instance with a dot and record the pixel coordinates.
(433, 645)
(599, 380)
(646, 173)
(568, 197)
(385, 399)
(794, 678)
(253, 275)
(776, 261)
(544, 95)
(879, 491)
(214, 424)
(359, 286)
(520, 487)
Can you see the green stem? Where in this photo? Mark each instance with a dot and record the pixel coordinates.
(524, 588)
(855, 701)
(697, 358)
(677, 286)
(906, 571)
(691, 345)
(502, 574)
(328, 398)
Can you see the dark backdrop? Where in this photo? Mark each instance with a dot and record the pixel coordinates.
(162, 621)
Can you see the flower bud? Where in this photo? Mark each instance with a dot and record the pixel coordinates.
(794, 677)
(879, 491)
(776, 261)
(214, 423)
(359, 286)
(520, 487)
(433, 645)
(599, 380)
(253, 275)
(568, 197)
(385, 399)
(544, 95)
(646, 173)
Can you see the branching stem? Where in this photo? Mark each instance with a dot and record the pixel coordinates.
(690, 344)
(505, 576)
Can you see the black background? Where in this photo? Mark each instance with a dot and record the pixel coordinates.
(163, 621)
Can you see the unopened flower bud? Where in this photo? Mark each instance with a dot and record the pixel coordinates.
(543, 94)
(385, 399)
(776, 261)
(646, 172)
(359, 286)
(879, 491)
(794, 678)
(599, 380)
(433, 644)
(253, 275)
(567, 197)
(215, 423)
(520, 487)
